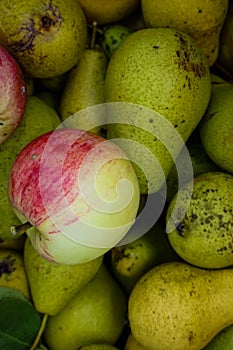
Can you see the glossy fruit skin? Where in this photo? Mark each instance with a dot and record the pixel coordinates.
(57, 194)
(12, 95)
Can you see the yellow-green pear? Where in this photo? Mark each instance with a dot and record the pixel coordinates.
(223, 340)
(216, 127)
(201, 163)
(130, 261)
(203, 237)
(96, 314)
(98, 347)
(53, 285)
(12, 271)
(132, 344)
(38, 119)
(104, 11)
(179, 306)
(161, 82)
(47, 37)
(200, 19)
(226, 41)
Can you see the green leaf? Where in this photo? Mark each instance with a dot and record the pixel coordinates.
(19, 324)
(11, 292)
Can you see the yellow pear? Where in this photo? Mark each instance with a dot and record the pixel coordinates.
(53, 285)
(104, 11)
(46, 37)
(202, 20)
(12, 271)
(178, 306)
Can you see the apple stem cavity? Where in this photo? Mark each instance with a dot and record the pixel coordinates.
(18, 230)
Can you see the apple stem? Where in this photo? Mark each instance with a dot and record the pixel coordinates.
(20, 229)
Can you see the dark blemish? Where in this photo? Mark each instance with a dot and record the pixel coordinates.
(6, 266)
(176, 125)
(180, 229)
(199, 10)
(151, 120)
(1, 123)
(178, 53)
(52, 17)
(190, 336)
(193, 217)
(155, 47)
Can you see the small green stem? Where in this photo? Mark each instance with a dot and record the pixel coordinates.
(40, 332)
(93, 37)
(20, 229)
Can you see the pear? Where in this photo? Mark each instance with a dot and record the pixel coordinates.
(130, 261)
(84, 88)
(216, 127)
(38, 119)
(201, 163)
(200, 19)
(98, 347)
(223, 340)
(226, 41)
(96, 314)
(46, 38)
(161, 102)
(112, 37)
(12, 271)
(105, 12)
(179, 306)
(53, 285)
(204, 236)
(132, 344)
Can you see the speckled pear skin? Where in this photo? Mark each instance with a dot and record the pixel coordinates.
(204, 236)
(164, 70)
(53, 285)
(223, 340)
(199, 19)
(132, 344)
(99, 347)
(179, 306)
(216, 127)
(47, 38)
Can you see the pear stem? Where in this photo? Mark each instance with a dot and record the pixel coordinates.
(40, 332)
(93, 37)
(20, 229)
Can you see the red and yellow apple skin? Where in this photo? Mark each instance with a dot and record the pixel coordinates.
(78, 190)
(12, 95)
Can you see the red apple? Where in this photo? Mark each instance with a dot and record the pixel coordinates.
(78, 190)
(12, 95)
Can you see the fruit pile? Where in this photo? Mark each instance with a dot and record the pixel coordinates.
(116, 175)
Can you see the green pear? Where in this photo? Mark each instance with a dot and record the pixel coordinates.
(38, 119)
(226, 42)
(132, 344)
(203, 237)
(216, 127)
(96, 314)
(85, 88)
(130, 261)
(98, 347)
(200, 19)
(53, 285)
(47, 37)
(223, 340)
(55, 84)
(201, 163)
(164, 71)
(179, 306)
(12, 271)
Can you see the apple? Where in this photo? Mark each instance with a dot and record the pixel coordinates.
(79, 192)
(12, 95)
